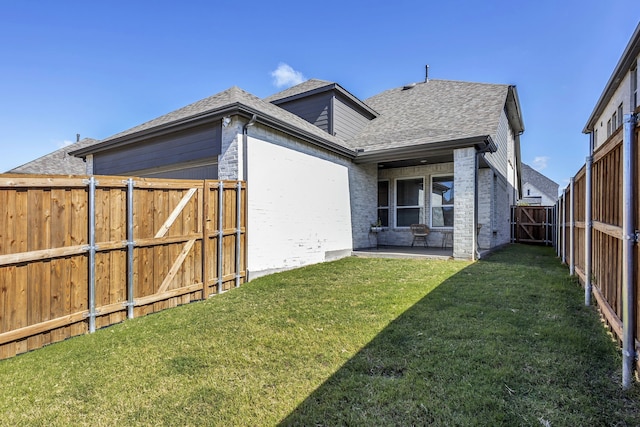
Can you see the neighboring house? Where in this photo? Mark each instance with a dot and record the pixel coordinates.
(537, 189)
(620, 96)
(323, 165)
(58, 162)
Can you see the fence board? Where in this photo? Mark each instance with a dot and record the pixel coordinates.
(44, 259)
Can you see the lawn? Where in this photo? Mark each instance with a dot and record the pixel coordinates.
(504, 341)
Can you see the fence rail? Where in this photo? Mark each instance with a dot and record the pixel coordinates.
(80, 253)
(591, 238)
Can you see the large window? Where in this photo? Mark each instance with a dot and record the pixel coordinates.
(383, 203)
(409, 201)
(442, 201)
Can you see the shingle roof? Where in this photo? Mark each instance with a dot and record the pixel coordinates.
(306, 86)
(538, 180)
(433, 111)
(217, 104)
(58, 162)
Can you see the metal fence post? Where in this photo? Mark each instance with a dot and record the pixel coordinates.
(130, 248)
(588, 224)
(628, 232)
(564, 227)
(238, 229)
(572, 222)
(92, 254)
(220, 258)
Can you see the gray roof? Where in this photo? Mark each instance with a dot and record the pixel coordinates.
(214, 107)
(306, 86)
(58, 162)
(538, 180)
(433, 111)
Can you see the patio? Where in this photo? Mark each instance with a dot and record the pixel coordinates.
(417, 252)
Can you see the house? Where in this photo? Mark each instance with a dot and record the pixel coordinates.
(59, 162)
(619, 97)
(537, 189)
(323, 165)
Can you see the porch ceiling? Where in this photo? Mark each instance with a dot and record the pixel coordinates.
(424, 154)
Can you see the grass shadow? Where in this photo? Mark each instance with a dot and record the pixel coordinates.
(506, 341)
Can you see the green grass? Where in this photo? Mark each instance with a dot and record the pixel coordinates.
(504, 341)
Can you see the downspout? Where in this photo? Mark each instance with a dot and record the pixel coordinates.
(476, 246)
(244, 147)
(245, 177)
(628, 231)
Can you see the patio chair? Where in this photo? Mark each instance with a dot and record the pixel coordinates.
(420, 233)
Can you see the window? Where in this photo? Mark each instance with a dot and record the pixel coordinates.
(620, 116)
(442, 201)
(383, 203)
(614, 122)
(409, 201)
(609, 128)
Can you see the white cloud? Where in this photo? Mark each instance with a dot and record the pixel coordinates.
(540, 163)
(284, 75)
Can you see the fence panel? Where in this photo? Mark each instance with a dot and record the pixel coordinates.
(607, 232)
(45, 255)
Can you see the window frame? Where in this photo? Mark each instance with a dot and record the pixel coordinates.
(388, 206)
(432, 205)
(420, 206)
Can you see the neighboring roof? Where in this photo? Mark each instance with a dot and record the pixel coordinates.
(316, 86)
(539, 181)
(629, 55)
(231, 101)
(59, 162)
(433, 112)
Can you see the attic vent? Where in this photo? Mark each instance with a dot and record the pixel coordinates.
(409, 86)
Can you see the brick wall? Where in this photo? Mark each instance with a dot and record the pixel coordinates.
(464, 236)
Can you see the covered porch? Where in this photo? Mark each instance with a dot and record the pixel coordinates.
(435, 185)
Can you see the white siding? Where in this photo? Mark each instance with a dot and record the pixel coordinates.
(622, 95)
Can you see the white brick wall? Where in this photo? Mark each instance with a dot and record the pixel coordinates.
(464, 235)
(301, 198)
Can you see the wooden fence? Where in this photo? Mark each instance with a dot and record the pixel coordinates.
(533, 224)
(80, 253)
(606, 227)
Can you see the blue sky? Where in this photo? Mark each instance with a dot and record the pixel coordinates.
(97, 68)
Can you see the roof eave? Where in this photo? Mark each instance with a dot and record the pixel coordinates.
(236, 108)
(513, 105)
(630, 53)
(482, 143)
